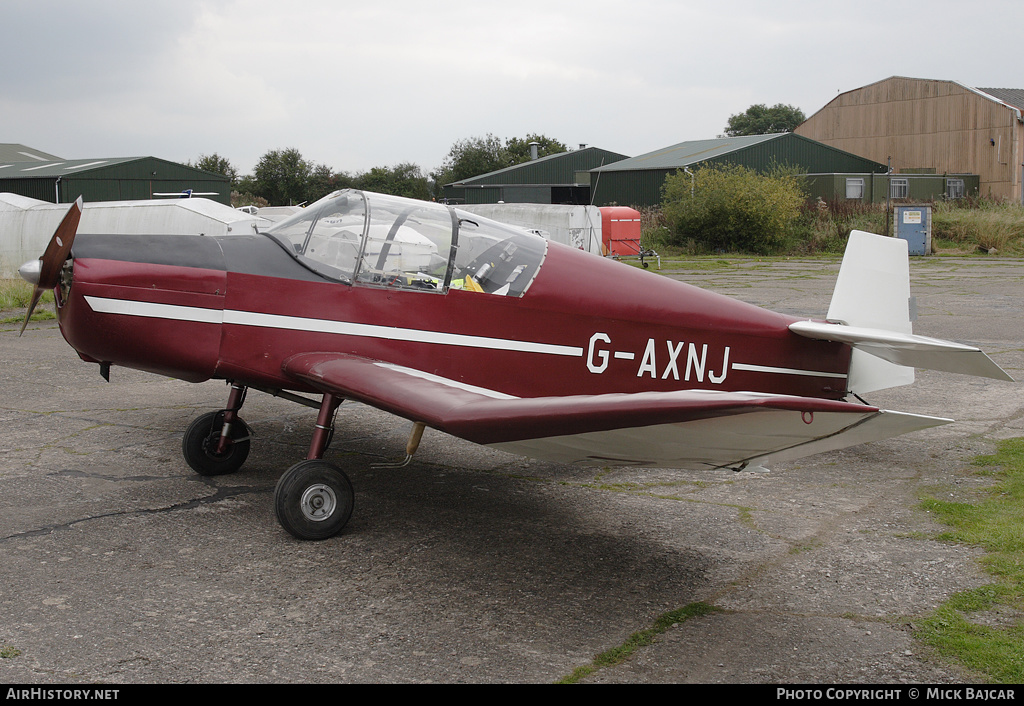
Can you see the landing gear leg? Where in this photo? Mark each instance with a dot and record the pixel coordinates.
(217, 443)
(314, 498)
(231, 419)
(324, 431)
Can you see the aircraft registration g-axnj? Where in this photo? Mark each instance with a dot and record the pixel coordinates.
(488, 333)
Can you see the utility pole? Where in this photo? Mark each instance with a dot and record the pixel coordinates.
(888, 194)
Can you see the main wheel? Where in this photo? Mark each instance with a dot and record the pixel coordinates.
(199, 445)
(313, 500)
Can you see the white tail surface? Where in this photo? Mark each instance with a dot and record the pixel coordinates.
(871, 310)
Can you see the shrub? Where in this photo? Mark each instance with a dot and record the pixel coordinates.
(731, 208)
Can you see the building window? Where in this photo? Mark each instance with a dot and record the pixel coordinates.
(954, 188)
(854, 188)
(899, 188)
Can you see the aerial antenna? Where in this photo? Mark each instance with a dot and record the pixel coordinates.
(593, 191)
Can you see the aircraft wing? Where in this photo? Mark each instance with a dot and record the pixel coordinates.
(678, 429)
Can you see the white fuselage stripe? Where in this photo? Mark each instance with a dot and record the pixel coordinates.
(297, 323)
(152, 310)
(784, 371)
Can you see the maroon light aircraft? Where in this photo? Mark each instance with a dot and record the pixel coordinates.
(489, 333)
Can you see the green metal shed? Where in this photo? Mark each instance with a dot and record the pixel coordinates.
(637, 182)
(548, 180)
(112, 179)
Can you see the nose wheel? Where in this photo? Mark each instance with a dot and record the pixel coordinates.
(313, 500)
(206, 453)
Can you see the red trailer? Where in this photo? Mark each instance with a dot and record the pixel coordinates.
(620, 233)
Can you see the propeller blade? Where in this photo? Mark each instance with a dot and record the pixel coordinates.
(36, 293)
(59, 247)
(50, 264)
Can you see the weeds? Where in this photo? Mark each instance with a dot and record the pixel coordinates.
(17, 293)
(984, 628)
(621, 653)
(980, 224)
(824, 227)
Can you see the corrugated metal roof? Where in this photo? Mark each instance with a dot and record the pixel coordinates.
(14, 152)
(686, 153)
(1010, 96)
(58, 168)
(557, 168)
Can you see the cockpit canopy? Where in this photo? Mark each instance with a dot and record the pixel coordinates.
(358, 237)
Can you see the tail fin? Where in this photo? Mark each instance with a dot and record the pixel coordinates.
(873, 291)
(871, 310)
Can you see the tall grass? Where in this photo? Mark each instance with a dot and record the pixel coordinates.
(979, 224)
(17, 293)
(824, 227)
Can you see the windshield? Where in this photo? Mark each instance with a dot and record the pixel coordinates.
(371, 239)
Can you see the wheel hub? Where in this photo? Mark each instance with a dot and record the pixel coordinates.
(318, 502)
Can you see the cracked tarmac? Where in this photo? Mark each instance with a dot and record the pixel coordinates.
(120, 565)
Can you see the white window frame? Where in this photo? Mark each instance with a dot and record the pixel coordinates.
(854, 188)
(899, 187)
(954, 188)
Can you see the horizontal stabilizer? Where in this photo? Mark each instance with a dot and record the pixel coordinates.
(906, 348)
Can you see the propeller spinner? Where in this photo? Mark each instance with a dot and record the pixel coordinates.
(44, 273)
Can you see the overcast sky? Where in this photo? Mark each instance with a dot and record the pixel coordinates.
(361, 84)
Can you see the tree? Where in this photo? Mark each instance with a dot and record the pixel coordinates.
(282, 177)
(216, 164)
(480, 155)
(471, 157)
(323, 180)
(404, 179)
(518, 150)
(759, 119)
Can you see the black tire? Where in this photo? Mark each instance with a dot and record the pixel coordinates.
(199, 444)
(313, 500)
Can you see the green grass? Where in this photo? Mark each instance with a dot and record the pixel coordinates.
(620, 653)
(17, 293)
(983, 629)
(37, 315)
